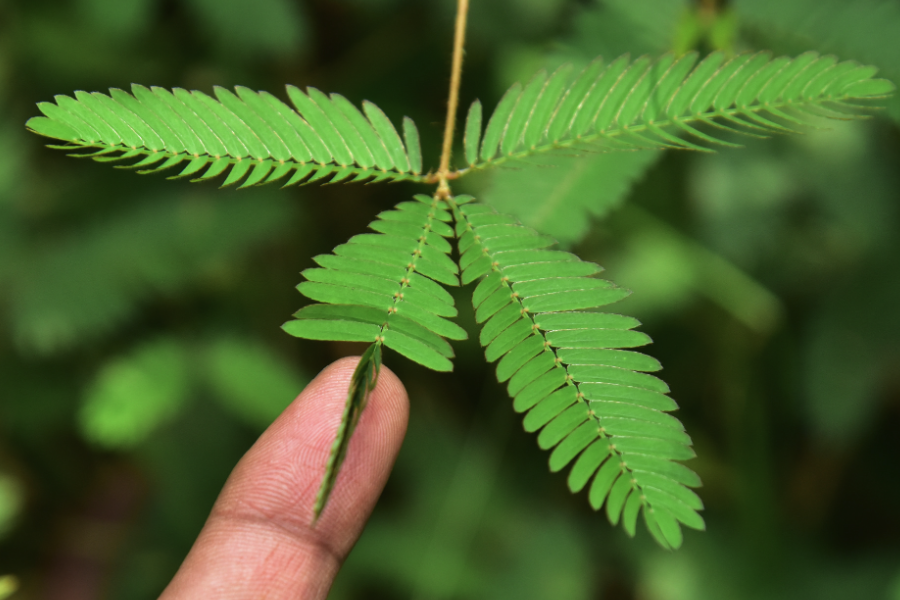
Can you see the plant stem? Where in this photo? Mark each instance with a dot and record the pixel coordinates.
(459, 37)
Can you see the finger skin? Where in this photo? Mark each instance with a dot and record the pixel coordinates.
(258, 541)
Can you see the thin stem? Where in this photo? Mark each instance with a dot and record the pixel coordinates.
(462, 10)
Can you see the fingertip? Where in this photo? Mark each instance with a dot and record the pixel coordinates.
(260, 535)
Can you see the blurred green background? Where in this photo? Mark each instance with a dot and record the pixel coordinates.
(141, 355)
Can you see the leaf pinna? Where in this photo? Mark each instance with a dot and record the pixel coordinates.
(383, 288)
(671, 102)
(252, 136)
(568, 365)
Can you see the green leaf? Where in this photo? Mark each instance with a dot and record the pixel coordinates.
(564, 370)
(872, 88)
(518, 119)
(670, 487)
(133, 395)
(597, 338)
(505, 341)
(565, 111)
(694, 84)
(374, 316)
(381, 287)
(584, 320)
(614, 358)
(669, 527)
(616, 499)
(570, 300)
(624, 97)
(335, 330)
(517, 357)
(617, 375)
(653, 527)
(472, 136)
(603, 481)
(413, 145)
(671, 470)
(558, 195)
(295, 148)
(539, 118)
(586, 465)
(537, 390)
(653, 447)
(322, 125)
(362, 155)
(533, 369)
(324, 137)
(362, 383)
(501, 321)
(666, 88)
(389, 136)
(371, 138)
(864, 31)
(640, 105)
(549, 408)
(624, 393)
(416, 351)
(671, 505)
(572, 445)
(630, 513)
(497, 123)
(563, 425)
(618, 426)
(617, 408)
(58, 130)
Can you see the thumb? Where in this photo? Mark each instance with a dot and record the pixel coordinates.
(258, 541)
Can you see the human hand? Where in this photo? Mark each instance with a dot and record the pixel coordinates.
(259, 541)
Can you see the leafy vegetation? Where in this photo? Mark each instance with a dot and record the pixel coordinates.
(720, 231)
(560, 358)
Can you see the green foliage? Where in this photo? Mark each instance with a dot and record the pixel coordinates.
(382, 287)
(253, 137)
(564, 362)
(568, 366)
(363, 381)
(155, 247)
(864, 30)
(851, 352)
(648, 104)
(134, 395)
(557, 196)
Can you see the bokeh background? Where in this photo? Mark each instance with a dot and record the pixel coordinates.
(141, 355)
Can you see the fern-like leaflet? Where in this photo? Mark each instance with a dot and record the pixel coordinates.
(566, 368)
(640, 104)
(382, 288)
(251, 136)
